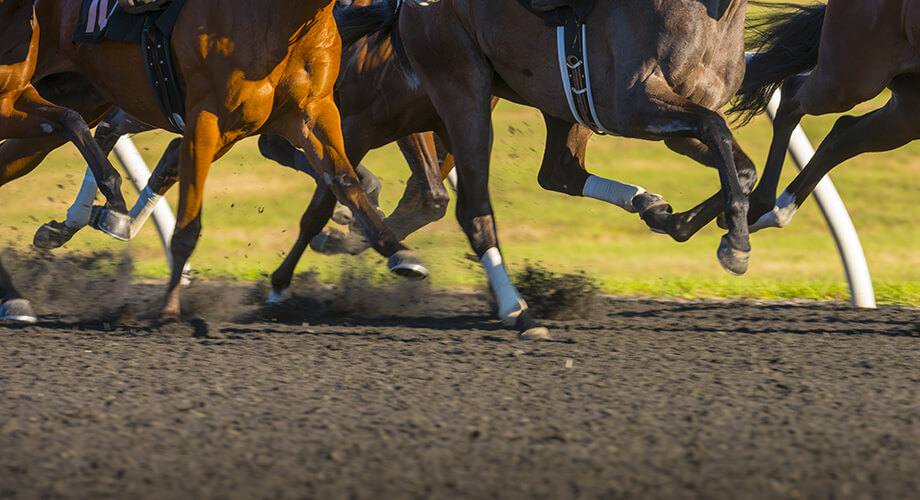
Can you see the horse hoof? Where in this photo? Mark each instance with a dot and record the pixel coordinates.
(529, 328)
(642, 203)
(277, 296)
(732, 260)
(406, 264)
(17, 310)
(112, 223)
(53, 235)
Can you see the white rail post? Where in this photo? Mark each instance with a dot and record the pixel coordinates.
(835, 213)
(139, 174)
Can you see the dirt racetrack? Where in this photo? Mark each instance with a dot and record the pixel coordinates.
(413, 393)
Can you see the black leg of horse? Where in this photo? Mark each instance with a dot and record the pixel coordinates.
(657, 108)
(54, 234)
(425, 198)
(12, 306)
(311, 223)
(788, 116)
(683, 225)
(885, 129)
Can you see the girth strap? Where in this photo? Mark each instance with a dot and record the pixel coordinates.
(162, 75)
(572, 45)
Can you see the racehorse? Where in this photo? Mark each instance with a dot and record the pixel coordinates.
(272, 74)
(845, 71)
(25, 114)
(677, 63)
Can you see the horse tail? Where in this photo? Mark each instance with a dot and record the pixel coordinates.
(786, 44)
(356, 23)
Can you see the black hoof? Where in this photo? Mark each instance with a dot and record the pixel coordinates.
(17, 310)
(53, 235)
(732, 260)
(406, 264)
(529, 328)
(111, 223)
(644, 203)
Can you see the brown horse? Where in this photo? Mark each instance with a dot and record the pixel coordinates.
(272, 74)
(25, 114)
(845, 71)
(667, 83)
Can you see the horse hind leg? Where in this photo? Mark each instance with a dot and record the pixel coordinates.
(884, 129)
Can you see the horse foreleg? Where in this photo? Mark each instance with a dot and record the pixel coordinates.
(319, 134)
(681, 226)
(311, 223)
(54, 234)
(662, 113)
(202, 144)
(39, 117)
(885, 129)
(12, 306)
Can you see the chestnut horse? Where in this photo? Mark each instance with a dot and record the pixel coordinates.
(273, 73)
(845, 71)
(25, 114)
(667, 84)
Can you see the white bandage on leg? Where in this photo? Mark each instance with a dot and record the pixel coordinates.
(781, 214)
(510, 303)
(140, 212)
(613, 192)
(78, 214)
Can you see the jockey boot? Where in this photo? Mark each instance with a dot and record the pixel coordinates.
(548, 5)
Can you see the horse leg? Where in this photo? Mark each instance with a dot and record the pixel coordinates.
(47, 119)
(657, 213)
(54, 234)
(788, 116)
(656, 109)
(311, 223)
(12, 306)
(884, 129)
(319, 135)
(202, 144)
(563, 168)
(425, 198)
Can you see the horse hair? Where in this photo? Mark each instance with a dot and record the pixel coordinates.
(786, 41)
(378, 22)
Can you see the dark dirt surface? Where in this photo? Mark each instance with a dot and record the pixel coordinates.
(414, 393)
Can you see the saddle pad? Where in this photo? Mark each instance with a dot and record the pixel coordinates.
(558, 17)
(105, 20)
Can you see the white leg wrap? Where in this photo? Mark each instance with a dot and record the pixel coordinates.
(781, 214)
(78, 214)
(613, 192)
(140, 212)
(510, 303)
(276, 297)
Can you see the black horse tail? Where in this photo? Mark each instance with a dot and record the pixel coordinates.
(786, 43)
(357, 22)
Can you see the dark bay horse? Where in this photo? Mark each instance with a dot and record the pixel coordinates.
(25, 114)
(273, 73)
(676, 63)
(851, 61)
